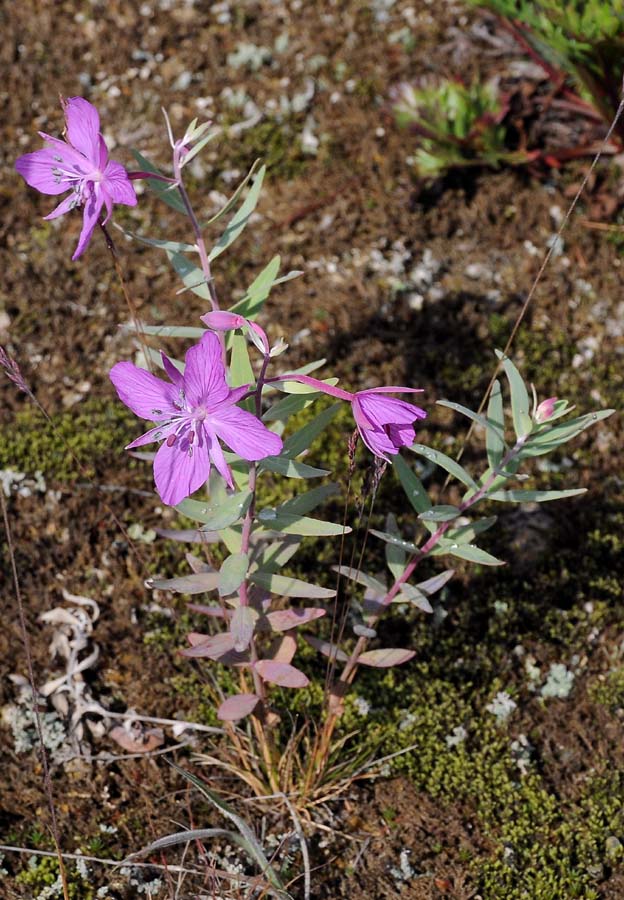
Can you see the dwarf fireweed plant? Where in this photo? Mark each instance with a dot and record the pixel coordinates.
(223, 421)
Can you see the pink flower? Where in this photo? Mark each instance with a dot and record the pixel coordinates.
(79, 164)
(545, 410)
(385, 424)
(193, 412)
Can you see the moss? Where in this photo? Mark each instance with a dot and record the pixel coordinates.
(276, 144)
(94, 432)
(43, 872)
(609, 690)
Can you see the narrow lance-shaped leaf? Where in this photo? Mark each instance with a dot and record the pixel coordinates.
(242, 625)
(241, 218)
(470, 414)
(385, 659)
(186, 584)
(301, 525)
(378, 587)
(233, 573)
(466, 534)
(251, 841)
(441, 513)
(231, 203)
(408, 546)
(308, 500)
(534, 496)
(494, 437)
(285, 619)
(192, 276)
(282, 674)
(215, 518)
(302, 439)
(520, 403)
(290, 468)
(330, 650)
(289, 587)
(436, 583)
(445, 462)
(414, 489)
(162, 190)
(396, 557)
(545, 441)
(258, 291)
(237, 707)
(468, 552)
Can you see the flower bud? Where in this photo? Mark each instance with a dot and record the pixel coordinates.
(545, 410)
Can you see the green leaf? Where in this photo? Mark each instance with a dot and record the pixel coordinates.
(232, 573)
(240, 219)
(231, 203)
(290, 468)
(276, 554)
(305, 502)
(288, 406)
(413, 487)
(520, 403)
(177, 331)
(494, 443)
(240, 368)
(385, 658)
(294, 387)
(199, 146)
(476, 417)
(232, 538)
(192, 276)
(408, 546)
(302, 525)
(378, 587)
(162, 190)
(534, 496)
(290, 587)
(546, 440)
(445, 462)
(465, 534)
(396, 556)
(215, 518)
(441, 513)
(174, 246)
(413, 595)
(301, 440)
(251, 841)
(468, 552)
(258, 291)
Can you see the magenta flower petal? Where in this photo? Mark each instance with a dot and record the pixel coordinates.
(385, 423)
(172, 372)
(119, 185)
(245, 434)
(204, 374)
(83, 126)
(158, 433)
(80, 165)
(146, 395)
(217, 457)
(90, 216)
(194, 411)
(64, 206)
(38, 168)
(181, 469)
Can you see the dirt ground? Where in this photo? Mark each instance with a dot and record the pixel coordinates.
(403, 283)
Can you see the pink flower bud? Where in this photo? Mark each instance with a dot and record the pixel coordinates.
(223, 321)
(545, 410)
